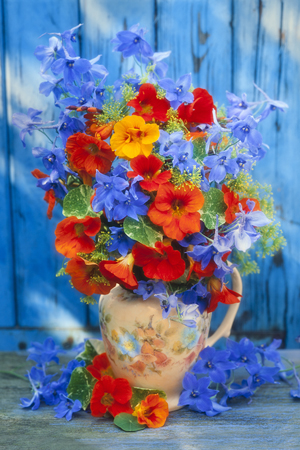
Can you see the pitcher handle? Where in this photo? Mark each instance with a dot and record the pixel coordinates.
(224, 329)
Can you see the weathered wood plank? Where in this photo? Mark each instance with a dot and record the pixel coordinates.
(43, 299)
(271, 421)
(7, 251)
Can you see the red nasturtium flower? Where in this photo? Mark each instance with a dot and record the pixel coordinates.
(89, 153)
(149, 169)
(100, 367)
(148, 106)
(73, 235)
(232, 201)
(120, 271)
(200, 111)
(153, 411)
(176, 210)
(221, 294)
(49, 196)
(161, 263)
(111, 395)
(86, 277)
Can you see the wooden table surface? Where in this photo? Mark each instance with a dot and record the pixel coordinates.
(271, 421)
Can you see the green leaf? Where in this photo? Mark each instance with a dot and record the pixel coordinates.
(77, 203)
(143, 231)
(214, 204)
(139, 394)
(127, 422)
(93, 347)
(199, 150)
(81, 386)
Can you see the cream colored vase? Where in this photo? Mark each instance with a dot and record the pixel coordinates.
(151, 352)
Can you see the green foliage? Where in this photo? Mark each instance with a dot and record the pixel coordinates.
(213, 205)
(245, 264)
(199, 152)
(143, 231)
(90, 351)
(128, 92)
(271, 240)
(81, 386)
(77, 203)
(174, 123)
(113, 111)
(128, 422)
(160, 92)
(61, 272)
(139, 394)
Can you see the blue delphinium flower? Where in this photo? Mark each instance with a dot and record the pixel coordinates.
(192, 239)
(245, 390)
(68, 125)
(72, 67)
(81, 96)
(220, 165)
(215, 251)
(214, 363)
(196, 393)
(269, 352)
(44, 353)
(133, 205)
(245, 234)
(272, 105)
(295, 393)
(28, 122)
(132, 42)
(214, 132)
(245, 131)
(128, 345)
(183, 156)
(166, 303)
(261, 374)
(51, 84)
(158, 68)
(68, 37)
(217, 409)
(47, 55)
(67, 408)
(97, 72)
(52, 159)
(39, 382)
(177, 93)
(119, 241)
(167, 140)
(108, 190)
(100, 96)
(188, 314)
(199, 295)
(243, 352)
(239, 105)
(53, 182)
(150, 287)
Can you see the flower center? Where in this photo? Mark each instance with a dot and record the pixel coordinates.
(246, 129)
(70, 64)
(194, 393)
(209, 364)
(93, 149)
(107, 399)
(177, 207)
(244, 359)
(79, 229)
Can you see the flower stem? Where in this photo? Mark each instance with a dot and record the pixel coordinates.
(8, 372)
(288, 370)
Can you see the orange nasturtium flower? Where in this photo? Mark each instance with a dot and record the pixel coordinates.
(49, 195)
(86, 277)
(133, 137)
(89, 153)
(73, 235)
(120, 271)
(176, 210)
(100, 367)
(153, 411)
(220, 293)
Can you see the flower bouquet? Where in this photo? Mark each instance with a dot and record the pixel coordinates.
(154, 183)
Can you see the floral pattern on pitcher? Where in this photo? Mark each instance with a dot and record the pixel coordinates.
(150, 348)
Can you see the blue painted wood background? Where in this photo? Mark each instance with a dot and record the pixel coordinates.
(226, 44)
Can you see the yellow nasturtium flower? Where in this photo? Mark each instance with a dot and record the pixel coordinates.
(133, 136)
